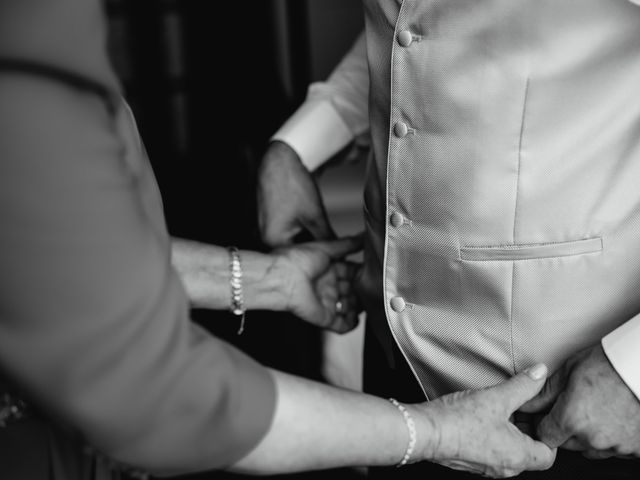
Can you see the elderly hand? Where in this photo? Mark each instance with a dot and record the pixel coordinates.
(591, 409)
(319, 284)
(289, 201)
(475, 434)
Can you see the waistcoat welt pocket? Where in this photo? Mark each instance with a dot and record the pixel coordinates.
(531, 251)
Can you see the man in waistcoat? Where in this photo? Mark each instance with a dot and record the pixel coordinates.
(502, 207)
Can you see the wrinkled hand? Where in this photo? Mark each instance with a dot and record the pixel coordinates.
(475, 433)
(592, 409)
(289, 201)
(319, 284)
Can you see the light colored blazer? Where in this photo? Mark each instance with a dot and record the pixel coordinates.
(502, 201)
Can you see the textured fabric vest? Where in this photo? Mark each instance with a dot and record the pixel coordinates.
(503, 197)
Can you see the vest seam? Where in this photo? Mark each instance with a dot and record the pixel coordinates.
(515, 218)
(513, 281)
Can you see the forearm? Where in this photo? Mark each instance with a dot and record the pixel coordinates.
(316, 426)
(204, 270)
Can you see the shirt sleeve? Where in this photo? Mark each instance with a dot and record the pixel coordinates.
(335, 112)
(94, 322)
(622, 348)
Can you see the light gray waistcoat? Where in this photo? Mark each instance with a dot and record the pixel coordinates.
(503, 197)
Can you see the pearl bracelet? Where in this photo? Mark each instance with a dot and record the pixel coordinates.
(411, 426)
(237, 302)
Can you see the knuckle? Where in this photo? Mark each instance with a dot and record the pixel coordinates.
(549, 426)
(541, 463)
(271, 234)
(534, 462)
(520, 460)
(340, 327)
(270, 239)
(598, 440)
(508, 472)
(623, 450)
(548, 463)
(572, 420)
(513, 464)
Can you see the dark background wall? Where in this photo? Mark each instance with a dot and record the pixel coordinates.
(209, 82)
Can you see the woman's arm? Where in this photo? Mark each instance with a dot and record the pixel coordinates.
(204, 270)
(307, 279)
(317, 426)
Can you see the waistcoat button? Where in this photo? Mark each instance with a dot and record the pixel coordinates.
(397, 219)
(398, 304)
(400, 129)
(405, 38)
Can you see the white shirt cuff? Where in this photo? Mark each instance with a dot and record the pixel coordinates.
(622, 348)
(316, 132)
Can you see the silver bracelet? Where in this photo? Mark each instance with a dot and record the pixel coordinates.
(237, 303)
(411, 426)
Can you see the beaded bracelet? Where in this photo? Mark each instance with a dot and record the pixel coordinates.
(237, 302)
(411, 426)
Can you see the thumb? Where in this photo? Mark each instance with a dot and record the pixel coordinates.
(522, 386)
(548, 395)
(338, 249)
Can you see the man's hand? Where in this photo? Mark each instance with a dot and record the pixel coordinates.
(289, 201)
(475, 434)
(592, 409)
(319, 285)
